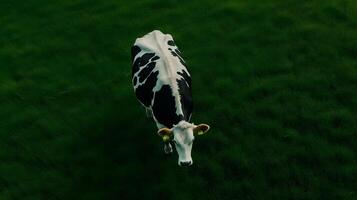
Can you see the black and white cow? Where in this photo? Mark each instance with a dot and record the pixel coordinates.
(162, 84)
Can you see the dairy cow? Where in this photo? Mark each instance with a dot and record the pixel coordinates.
(162, 85)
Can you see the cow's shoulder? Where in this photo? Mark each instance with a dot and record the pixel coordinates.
(144, 73)
(164, 107)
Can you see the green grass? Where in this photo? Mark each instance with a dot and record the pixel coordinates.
(276, 80)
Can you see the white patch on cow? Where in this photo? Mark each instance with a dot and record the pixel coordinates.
(167, 65)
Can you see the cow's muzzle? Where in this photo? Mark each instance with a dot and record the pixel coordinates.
(185, 163)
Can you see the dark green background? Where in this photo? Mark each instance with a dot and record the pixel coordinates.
(276, 80)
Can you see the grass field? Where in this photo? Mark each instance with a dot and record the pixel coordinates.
(276, 80)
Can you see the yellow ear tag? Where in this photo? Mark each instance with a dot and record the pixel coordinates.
(165, 138)
(200, 133)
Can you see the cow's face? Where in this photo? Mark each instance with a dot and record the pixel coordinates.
(183, 136)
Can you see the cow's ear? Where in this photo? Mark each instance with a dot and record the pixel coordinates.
(201, 129)
(165, 133)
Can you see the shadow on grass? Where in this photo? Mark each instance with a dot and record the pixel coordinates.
(117, 158)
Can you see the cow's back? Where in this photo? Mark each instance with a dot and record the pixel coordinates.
(160, 78)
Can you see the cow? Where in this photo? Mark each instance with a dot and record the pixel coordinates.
(162, 84)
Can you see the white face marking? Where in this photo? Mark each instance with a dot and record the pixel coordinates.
(183, 139)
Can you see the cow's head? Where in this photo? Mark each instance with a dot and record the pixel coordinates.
(183, 135)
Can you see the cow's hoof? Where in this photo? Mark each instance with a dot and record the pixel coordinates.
(168, 148)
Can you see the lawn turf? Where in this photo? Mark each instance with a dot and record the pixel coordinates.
(276, 80)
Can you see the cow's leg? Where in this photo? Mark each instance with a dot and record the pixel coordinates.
(148, 112)
(167, 147)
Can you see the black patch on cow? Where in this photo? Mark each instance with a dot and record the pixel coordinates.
(135, 66)
(184, 85)
(177, 54)
(182, 62)
(155, 58)
(164, 108)
(146, 71)
(144, 92)
(173, 53)
(141, 61)
(135, 80)
(186, 77)
(145, 58)
(134, 51)
(171, 43)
